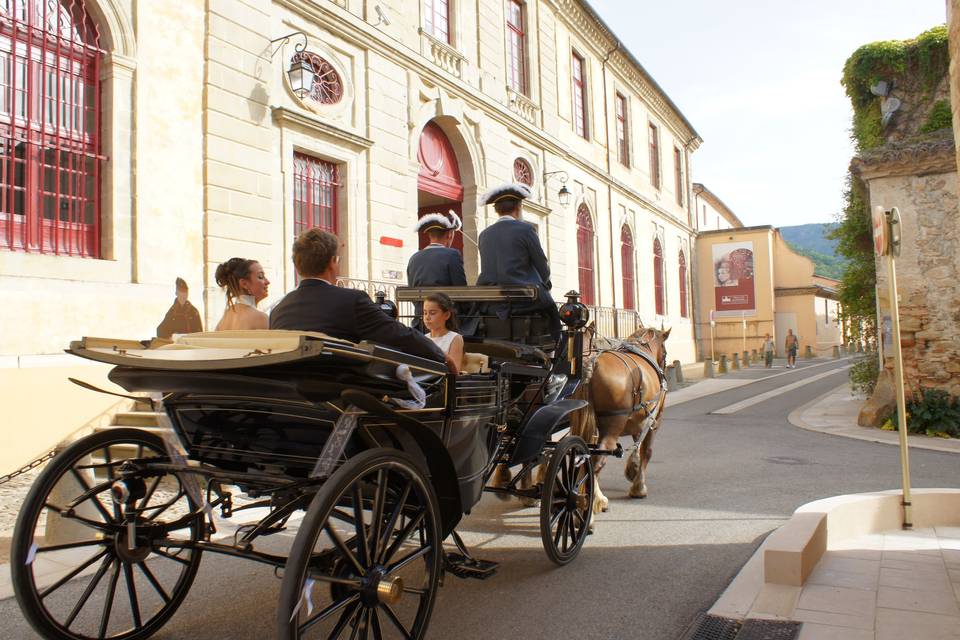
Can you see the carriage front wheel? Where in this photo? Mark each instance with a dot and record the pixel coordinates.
(566, 504)
(76, 572)
(367, 559)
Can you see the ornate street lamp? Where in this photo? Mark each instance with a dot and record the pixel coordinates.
(564, 194)
(301, 73)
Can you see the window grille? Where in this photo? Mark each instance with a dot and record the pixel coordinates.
(50, 160)
(683, 286)
(315, 185)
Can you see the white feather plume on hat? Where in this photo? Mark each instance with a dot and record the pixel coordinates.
(449, 221)
(514, 190)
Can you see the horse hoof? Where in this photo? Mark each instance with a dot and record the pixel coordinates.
(529, 502)
(638, 495)
(630, 472)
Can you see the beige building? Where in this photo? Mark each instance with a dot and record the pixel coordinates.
(182, 143)
(750, 283)
(709, 211)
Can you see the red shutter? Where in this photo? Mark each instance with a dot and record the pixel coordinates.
(516, 40)
(658, 277)
(50, 160)
(626, 261)
(579, 97)
(585, 254)
(683, 286)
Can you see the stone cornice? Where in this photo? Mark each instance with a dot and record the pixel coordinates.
(814, 290)
(287, 117)
(925, 157)
(581, 18)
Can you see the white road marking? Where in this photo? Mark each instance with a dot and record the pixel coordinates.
(749, 402)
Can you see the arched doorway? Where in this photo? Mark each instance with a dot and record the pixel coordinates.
(439, 188)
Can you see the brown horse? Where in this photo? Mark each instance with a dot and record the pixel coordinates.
(626, 393)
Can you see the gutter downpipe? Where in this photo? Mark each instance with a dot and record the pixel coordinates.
(695, 280)
(606, 132)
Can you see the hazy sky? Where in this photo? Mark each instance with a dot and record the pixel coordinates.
(760, 82)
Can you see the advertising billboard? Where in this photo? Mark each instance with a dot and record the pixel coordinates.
(733, 286)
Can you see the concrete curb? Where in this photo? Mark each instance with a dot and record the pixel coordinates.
(867, 434)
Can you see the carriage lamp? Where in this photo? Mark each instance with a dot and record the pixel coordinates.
(301, 73)
(574, 313)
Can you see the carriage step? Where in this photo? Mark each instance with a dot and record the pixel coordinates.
(138, 418)
(464, 567)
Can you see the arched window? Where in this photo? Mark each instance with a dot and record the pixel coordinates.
(50, 161)
(585, 254)
(327, 86)
(522, 172)
(683, 286)
(626, 263)
(658, 276)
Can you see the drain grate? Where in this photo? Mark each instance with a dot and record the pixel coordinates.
(769, 630)
(707, 627)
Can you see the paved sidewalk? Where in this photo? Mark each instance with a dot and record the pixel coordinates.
(836, 413)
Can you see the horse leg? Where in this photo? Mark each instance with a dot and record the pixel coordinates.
(526, 482)
(600, 501)
(638, 489)
(501, 478)
(632, 468)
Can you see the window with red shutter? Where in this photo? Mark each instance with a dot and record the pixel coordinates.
(678, 174)
(683, 286)
(654, 144)
(516, 46)
(50, 162)
(579, 96)
(627, 263)
(623, 132)
(658, 292)
(585, 254)
(436, 19)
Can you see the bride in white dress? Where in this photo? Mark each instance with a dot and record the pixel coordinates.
(246, 285)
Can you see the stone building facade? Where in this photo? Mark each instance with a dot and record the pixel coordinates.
(201, 151)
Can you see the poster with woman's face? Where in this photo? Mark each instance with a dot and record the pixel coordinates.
(733, 278)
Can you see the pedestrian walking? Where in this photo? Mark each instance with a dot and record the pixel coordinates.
(792, 344)
(768, 349)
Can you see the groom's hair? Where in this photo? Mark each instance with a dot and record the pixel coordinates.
(312, 252)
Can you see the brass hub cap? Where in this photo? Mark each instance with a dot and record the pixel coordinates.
(389, 590)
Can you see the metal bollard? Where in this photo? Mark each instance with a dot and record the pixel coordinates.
(746, 359)
(754, 356)
(808, 353)
(671, 375)
(736, 360)
(723, 364)
(836, 351)
(708, 369)
(679, 369)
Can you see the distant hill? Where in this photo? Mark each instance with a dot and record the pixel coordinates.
(810, 240)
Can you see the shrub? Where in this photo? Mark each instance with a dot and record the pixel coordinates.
(863, 374)
(932, 412)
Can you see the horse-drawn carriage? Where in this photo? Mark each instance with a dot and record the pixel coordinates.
(372, 455)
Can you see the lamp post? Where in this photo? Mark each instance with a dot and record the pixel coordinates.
(563, 195)
(301, 73)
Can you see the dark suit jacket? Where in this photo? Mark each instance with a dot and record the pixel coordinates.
(436, 266)
(510, 253)
(349, 314)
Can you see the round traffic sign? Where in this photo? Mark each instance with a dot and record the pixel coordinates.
(881, 233)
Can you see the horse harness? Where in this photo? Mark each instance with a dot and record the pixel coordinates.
(651, 408)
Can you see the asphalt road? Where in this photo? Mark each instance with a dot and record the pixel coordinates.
(718, 484)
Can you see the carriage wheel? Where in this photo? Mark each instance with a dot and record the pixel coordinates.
(74, 573)
(567, 500)
(367, 560)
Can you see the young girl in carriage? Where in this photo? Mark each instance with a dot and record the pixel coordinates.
(440, 320)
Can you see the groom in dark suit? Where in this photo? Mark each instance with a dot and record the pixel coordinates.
(510, 253)
(319, 305)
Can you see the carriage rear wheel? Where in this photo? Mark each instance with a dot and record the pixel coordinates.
(75, 572)
(367, 559)
(567, 500)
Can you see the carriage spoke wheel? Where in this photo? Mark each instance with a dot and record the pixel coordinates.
(367, 558)
(75, 572)
(567, 502)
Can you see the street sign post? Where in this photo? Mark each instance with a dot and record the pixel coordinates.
(886, 242)
(713, 324)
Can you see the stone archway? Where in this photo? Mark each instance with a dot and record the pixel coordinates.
(439, 186)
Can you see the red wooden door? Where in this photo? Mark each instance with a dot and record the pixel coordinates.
(585, 254)
(439, 173)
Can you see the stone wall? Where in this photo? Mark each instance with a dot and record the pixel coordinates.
(922, 183)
